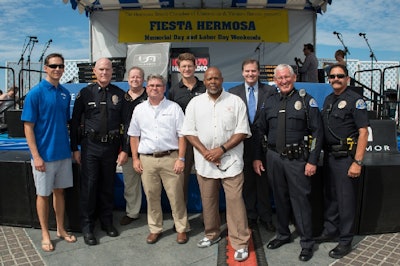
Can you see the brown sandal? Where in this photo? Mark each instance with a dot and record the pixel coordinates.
(70, 238)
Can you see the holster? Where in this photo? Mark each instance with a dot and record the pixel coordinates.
(339, 150)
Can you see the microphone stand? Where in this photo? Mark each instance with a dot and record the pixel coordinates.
(346, 51)
(21, 60)
(29, 62)
(372, 56)
(258, 50)
(41, 58)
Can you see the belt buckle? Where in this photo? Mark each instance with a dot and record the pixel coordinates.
(104, 138)
(157, 154)
(161, 154)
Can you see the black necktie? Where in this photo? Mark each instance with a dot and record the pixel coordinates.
(281, 128)
(103, 112)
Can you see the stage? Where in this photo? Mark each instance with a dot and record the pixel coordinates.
(378, 204)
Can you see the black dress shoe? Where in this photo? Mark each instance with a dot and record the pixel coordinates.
(340, 251)
(110, 230)
(269, 226)
(306, 254)
(325, 238)
(276, 243)
(90, 239)
(127, 220)
(252, 223)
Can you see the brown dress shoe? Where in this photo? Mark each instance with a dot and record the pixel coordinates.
(153, 238)
(181, 238)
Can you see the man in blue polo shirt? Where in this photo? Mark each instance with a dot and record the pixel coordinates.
(45, 115)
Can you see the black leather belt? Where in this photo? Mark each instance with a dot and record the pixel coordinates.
(336, 147)
(160, 154)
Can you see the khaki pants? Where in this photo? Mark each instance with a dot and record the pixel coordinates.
(132, 190)
(238, 231)
(159, 172)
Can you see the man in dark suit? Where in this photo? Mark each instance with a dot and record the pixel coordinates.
(255, 187)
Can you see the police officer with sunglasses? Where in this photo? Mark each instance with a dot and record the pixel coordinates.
(346, 124)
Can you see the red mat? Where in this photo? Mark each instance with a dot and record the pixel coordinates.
(230, 252)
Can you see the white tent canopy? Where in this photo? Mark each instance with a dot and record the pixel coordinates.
(96, 5)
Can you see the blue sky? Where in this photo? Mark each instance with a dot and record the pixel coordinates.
(69, 30)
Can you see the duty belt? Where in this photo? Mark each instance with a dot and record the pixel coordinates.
(292, 151)
(159, 154)
(111, 137)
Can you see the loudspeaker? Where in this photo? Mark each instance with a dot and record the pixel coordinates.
(380, 202)
(72, 202)
(382, 136)
(14, 123)
(317, 201)
(356, 89)
(321, 75)
(15, 203)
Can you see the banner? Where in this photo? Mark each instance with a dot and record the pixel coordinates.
(203, 25)
(152, 58)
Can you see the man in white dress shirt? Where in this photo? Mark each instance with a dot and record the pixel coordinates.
(158, 153)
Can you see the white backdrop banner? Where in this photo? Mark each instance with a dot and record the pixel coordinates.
(227, 56)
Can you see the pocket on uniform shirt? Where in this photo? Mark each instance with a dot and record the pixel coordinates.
(341, 114)
(297, 119)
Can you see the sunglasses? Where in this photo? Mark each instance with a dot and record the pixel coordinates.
(54, 66)
(339, 76)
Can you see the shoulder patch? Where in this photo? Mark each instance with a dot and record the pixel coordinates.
(313, 103)
(360, 104)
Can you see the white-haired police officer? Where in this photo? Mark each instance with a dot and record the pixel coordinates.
(98, 113)
(288, 118)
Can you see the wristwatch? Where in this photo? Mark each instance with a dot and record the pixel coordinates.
(359, 162)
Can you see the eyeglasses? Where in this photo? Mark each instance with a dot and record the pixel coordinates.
(226, 162)
(225, 167)
(339, 76)
(54, 66)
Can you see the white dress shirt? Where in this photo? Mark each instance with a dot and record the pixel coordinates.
(158, 127)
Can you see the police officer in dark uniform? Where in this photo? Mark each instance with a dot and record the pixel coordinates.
(346, 124)
(290, 119)
(96, 120)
